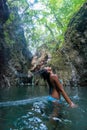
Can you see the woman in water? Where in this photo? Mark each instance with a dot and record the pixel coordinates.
(55, 87)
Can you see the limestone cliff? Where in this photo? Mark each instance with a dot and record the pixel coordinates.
(14, 54)
(76, 43)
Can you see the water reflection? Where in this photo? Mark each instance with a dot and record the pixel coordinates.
(39, 114)
(30, 121)
(33, 119)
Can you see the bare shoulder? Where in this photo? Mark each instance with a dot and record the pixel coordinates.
(54, 76)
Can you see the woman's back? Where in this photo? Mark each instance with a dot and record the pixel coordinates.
(55, 91)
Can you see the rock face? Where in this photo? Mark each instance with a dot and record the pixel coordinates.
(14, 54)
(76, 44)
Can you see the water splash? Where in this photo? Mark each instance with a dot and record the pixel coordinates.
(22, 102)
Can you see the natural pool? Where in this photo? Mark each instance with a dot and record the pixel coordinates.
(26, 108)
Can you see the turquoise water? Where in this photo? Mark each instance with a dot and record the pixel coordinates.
(27, 108)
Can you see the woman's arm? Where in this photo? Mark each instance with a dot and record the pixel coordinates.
(66, 97)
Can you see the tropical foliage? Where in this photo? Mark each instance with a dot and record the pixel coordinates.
(44, 21)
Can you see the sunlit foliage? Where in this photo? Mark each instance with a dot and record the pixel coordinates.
(45, 21)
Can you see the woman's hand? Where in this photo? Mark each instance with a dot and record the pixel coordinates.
(72, 105)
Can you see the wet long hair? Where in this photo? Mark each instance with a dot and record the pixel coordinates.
(46, 76)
